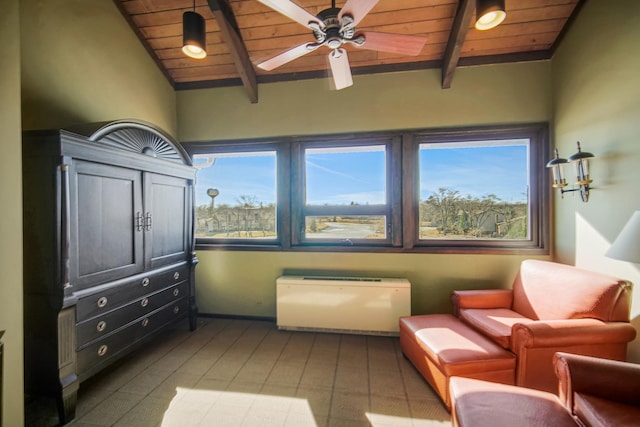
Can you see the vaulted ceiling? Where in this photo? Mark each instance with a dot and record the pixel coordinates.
(243, 33)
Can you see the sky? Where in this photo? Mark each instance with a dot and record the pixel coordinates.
(253, 174)
(502, 168)
(336, 176)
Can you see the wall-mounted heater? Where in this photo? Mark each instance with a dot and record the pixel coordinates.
(361, 305)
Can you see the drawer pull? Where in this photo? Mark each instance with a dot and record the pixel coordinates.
(102, 301)
(176, 309)
(145, 322)
(145, 281)
(102, 350)
(101, 326)
(144, 302)
(176, 292)
(176, 275)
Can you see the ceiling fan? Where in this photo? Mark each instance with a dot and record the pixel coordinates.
(334, 28)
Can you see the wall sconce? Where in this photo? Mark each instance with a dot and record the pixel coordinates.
(489, 14)
(194, 34)
(581, 163)
(626, 247)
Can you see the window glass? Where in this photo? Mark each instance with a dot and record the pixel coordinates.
(236, 195)
(345, 192)
(474, 190)
(345, 227)
(345, 175)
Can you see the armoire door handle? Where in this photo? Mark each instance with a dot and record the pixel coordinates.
(147, 221)
(139, 221)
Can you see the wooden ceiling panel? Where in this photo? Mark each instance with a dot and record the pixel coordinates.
(531, 30)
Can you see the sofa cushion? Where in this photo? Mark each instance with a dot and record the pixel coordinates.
(493, 323)
(546, 290)
(598, 412)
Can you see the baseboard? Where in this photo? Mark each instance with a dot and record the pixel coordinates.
(237, 317)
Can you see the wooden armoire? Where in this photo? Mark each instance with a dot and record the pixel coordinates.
(108, 249)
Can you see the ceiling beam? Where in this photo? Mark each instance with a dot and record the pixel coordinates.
(461, 23)
(231, 36)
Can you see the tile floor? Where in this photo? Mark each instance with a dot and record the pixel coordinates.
(248, 373)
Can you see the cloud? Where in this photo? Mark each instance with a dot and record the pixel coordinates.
(335, 172)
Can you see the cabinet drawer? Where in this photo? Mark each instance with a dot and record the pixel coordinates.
(95, 355)
(96, 327)
(105, 298)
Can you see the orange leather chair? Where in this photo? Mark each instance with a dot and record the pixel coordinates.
(592, 392)
(551, 307)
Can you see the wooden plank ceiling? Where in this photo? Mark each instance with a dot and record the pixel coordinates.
(530, 32)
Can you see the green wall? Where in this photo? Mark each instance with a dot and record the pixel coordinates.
(507, 93)
(596, 88)
(82, 63)
(11, 224)
(243, 283)
(78, 61)
(63, 62)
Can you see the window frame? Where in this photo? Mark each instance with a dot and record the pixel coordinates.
(282, 191)
(402, 191)
(537, 135)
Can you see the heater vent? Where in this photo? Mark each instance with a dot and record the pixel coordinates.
(363, 305)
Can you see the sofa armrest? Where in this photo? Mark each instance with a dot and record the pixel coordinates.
(608, 379)
(484, 298)
(569, 332)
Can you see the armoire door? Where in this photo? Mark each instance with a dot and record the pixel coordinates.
(106, 219)
(167, 219)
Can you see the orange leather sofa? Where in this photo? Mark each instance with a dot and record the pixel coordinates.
(592, 392)
(551, 307)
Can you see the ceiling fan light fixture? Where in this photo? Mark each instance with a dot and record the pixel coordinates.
(194, 35)
(489, 13)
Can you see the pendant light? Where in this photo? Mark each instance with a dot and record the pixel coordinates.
(489, 13)
(194, 35)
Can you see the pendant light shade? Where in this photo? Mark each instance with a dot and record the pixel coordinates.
(489, 13)
(194, 35)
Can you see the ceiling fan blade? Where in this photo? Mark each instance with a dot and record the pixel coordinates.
(292, 11)
(288, 56)
(393, 43)
(358, 9)
(340, 68)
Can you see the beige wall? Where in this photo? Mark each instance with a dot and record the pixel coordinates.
(11, 224)
(82, 63)
(243, 283)
(596, 88)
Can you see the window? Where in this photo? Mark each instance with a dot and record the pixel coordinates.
(345, 198)
(454, 190)
(480, 188)
(235, 195)
(474, 190)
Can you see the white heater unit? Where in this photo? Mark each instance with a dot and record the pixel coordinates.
(342, 304)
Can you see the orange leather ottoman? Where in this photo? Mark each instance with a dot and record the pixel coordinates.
(441, 346)
(483, 404)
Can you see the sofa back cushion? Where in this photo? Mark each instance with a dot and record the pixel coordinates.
(546, 290)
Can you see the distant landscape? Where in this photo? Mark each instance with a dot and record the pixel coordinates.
(444, 215)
